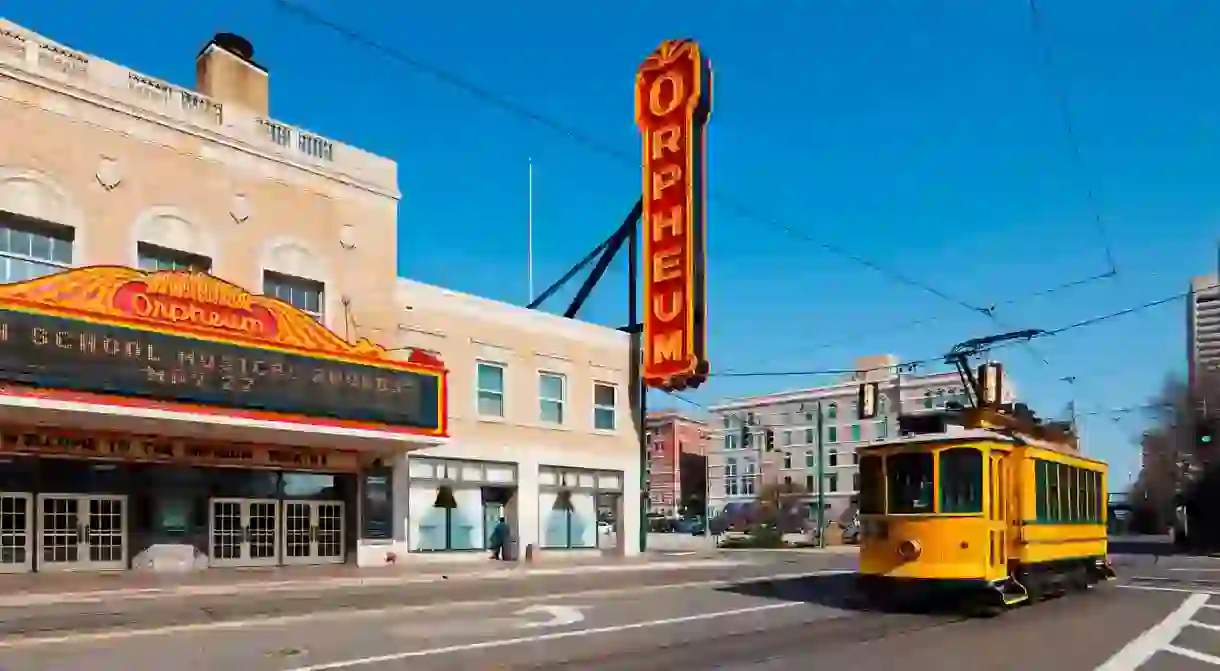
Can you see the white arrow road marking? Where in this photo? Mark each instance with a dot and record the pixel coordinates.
(560, 615)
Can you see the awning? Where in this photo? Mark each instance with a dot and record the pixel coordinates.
(95, 412)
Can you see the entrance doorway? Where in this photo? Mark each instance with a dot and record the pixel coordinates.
(80, 532)
(313, 532)
(16, 532)
(244, 532)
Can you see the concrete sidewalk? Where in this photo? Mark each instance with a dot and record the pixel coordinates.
(38, 589)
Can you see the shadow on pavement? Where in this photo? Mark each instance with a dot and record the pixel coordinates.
(1148, 547)
(833, 591)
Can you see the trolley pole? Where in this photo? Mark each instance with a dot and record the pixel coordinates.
(821, 516)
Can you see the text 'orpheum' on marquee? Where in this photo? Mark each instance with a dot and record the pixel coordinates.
(672, 105)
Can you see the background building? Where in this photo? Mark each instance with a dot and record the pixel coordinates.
(677, 459)
(105, 166)
(1203, 325)
(737, 470)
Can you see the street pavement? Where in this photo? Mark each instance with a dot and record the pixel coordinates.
(764, 611)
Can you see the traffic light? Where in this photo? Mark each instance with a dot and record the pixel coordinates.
(1204, 434)
(866, 401)
(770, 438)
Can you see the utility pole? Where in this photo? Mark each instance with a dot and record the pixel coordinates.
(821, 516)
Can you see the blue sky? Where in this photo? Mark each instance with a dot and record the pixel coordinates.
(924, 136)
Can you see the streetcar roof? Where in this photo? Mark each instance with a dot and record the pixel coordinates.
(955, 434)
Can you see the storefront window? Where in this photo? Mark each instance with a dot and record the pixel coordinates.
(454, 505)
(569, 512)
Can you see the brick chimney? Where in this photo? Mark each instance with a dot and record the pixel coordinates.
(226, 72)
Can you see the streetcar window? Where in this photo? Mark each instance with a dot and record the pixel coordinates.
(1053, 493)
(1101, 499)
(909, 482)
(872, 486)
(1065, 495)
(961, 480)
(1041, 486)
(1090, 495)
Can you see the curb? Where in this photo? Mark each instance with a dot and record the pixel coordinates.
(518, 572)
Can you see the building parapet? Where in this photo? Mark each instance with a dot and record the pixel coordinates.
(427, 296)
(44, 59)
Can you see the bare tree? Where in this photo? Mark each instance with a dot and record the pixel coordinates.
(782, 505)
(1174, 460)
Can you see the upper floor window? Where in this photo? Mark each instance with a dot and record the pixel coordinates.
(30, 248)
(490, 381)
(855, 432)
(927, 399)
(787, 460)
(551, 388)
(832, 410)
(808, 436)
(604, 403)
(153, 258)
(882, 403)
(730, 441)
(305, 295)
(787, 438)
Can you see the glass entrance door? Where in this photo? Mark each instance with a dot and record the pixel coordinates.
(82, 532)
(16, 532)
(313, 532)
(244, 532)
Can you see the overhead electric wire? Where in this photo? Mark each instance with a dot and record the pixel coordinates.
(498, 100)
(1069, 127)
(940, 358)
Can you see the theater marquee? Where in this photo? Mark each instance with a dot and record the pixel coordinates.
(673, 100)
(194, 339)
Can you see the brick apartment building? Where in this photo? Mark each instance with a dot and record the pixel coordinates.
(677, 453)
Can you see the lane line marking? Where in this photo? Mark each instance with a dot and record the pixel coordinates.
(505, 642)
(1178, 590)
(1193, 654)
(1156, 638)
(277, 620)
(1204, 625)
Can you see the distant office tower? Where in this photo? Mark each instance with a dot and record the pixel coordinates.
(1203, 325)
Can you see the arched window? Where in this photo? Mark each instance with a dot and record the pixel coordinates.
(832, 410)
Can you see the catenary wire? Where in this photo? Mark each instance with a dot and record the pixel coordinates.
(938, 359)
(1069, 126)
(498, 100)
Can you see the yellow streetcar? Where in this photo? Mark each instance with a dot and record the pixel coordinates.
(985, 505)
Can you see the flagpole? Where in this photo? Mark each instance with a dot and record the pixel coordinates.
(529, 250)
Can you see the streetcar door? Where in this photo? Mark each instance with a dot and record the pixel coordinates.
(997, 481)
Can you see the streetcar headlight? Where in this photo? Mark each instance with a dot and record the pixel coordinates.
(909, 550)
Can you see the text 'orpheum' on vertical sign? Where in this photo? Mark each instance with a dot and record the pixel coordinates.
(673, 101)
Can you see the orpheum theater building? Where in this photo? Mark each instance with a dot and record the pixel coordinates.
(207, 359)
